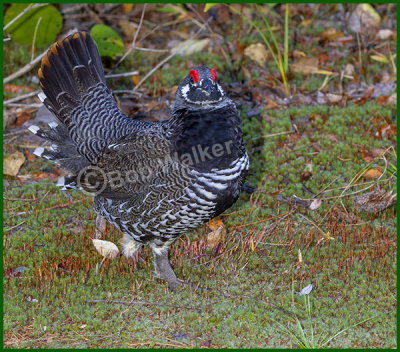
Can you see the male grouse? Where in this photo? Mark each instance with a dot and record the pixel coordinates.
(152, 180)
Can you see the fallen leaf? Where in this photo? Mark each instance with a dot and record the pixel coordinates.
(384, 34)
(349, 70)
(365, 97)
(332, 138)
(374, 201)
(126, 8)
(331, 34)
(377, 152)
(364, 17)
(189, 47)
(217, 234)
(315, 204)
(305, 65)
(392, 99)
(333, 98)
(23, 117)
(105, 248)
(12, 163)
(306, 290)
(257, 52)
(372, 174)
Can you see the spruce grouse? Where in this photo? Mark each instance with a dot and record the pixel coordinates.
(152, 180)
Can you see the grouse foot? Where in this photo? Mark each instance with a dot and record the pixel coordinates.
(163, 268)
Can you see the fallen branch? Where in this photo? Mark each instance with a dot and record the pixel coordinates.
(21, 97)
(24, 69)
(51, 208)
(142, 303)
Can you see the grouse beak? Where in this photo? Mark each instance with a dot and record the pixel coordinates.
(207, 87)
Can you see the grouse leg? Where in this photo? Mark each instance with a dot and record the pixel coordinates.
(163, 267)
(131, 249)
(100, 226)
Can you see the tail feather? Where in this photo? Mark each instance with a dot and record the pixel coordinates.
(62, 150)
(76, 92)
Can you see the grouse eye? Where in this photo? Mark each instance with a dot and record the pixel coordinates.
(214, 76)
(194, 76)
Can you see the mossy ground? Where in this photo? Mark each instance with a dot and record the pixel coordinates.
(354, 275)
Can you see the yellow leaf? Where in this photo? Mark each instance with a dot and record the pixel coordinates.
(127, 8)
(208, 6)
(380, 58)
(372, 174)
(12, 163)
(324, 72)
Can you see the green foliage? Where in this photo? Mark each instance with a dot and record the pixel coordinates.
(46, 21)
(108, 41)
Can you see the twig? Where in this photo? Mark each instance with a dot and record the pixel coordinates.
(21, 97)
(126, 74)
(273, 135)
(24, 69)
(34, 37)
(51, 208)
(30, 7)
(25, 106)
(142, 303)
(134, 38)
(169, 57)
(151, 50)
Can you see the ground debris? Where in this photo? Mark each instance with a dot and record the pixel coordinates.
(375, 201)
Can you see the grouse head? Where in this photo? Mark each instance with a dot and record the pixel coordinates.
(199, 89)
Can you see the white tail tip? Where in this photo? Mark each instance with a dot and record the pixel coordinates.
(38, 151)
(34, 129)
(61, 182)
(42, 97)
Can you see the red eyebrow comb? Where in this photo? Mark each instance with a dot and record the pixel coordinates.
(195, 75)
(214, 76)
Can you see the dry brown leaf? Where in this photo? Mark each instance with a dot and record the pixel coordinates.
(12, 163)
(372, 174)
(217, 234)
(349, 70)
(332, 34)
(377, 152)
(136, 79)
(333, 98)
(305, 65)
(374, 201)
(257, 52)
(105, 248)
(364, 17)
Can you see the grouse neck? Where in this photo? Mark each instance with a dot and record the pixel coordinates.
(209, 137)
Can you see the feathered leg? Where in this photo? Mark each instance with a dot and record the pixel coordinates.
(163, 267)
